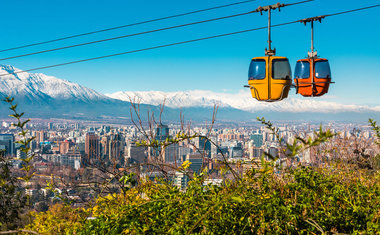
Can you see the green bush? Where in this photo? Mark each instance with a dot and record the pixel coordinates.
(301, 200)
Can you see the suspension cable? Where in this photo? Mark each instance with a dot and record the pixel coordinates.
(127, 25)
(141, 33)
(124, 36)
(144, 49)
(179, 43)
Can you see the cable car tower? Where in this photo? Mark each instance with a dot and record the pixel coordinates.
(269, 76)
(312, 76)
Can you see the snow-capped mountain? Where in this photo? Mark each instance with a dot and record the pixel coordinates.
(180, 99)
(43, 96)
(40, 95)
(241, 100)
(38, 87)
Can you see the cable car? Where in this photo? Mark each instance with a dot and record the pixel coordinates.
(312, 76)
(269, 77)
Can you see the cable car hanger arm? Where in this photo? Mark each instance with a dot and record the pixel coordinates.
(278, 6)
(268, 8)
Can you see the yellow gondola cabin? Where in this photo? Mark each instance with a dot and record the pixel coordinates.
(269, 78)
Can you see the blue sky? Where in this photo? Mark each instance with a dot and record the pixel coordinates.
(349, 41)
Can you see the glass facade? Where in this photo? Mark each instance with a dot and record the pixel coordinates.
(7, 143)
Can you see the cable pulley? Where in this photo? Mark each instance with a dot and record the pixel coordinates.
(312, 19)
(270, 7)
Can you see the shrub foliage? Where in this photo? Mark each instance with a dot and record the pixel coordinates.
(300, 200)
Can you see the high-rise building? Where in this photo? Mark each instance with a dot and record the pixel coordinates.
(76, 126)
(250, 149)
(137, 154)
(203, 146)
(196, 161)
(162, 132)
(236, 152)
(41, 136)
(64, 146)
(181, 180)
(257, 152)
(81, 147)
(104, 145)
(214, 147)
(223, 150)
(74, 159)
(171, 153)
(183, 151)
(92, 147)
(21, 154)
(115, 148)
(7, 143)
(257, 139)
(33, 144)
(273, 151)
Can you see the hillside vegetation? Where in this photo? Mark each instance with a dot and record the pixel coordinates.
(302, 200)
(336, 197)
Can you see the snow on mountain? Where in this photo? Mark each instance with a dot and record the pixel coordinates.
(50, 95)
(41, 87)
(172, 99)
(241, 100)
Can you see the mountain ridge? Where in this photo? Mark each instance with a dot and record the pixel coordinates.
(40, 87)
(40, 95)
(241, 100)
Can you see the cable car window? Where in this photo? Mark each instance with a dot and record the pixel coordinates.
(257, 70)
(322, 69)
(302, 69)
(281, 69)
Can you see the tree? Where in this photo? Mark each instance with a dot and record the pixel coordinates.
(12, 199)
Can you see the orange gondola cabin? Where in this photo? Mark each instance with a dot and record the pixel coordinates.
(312, 76)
